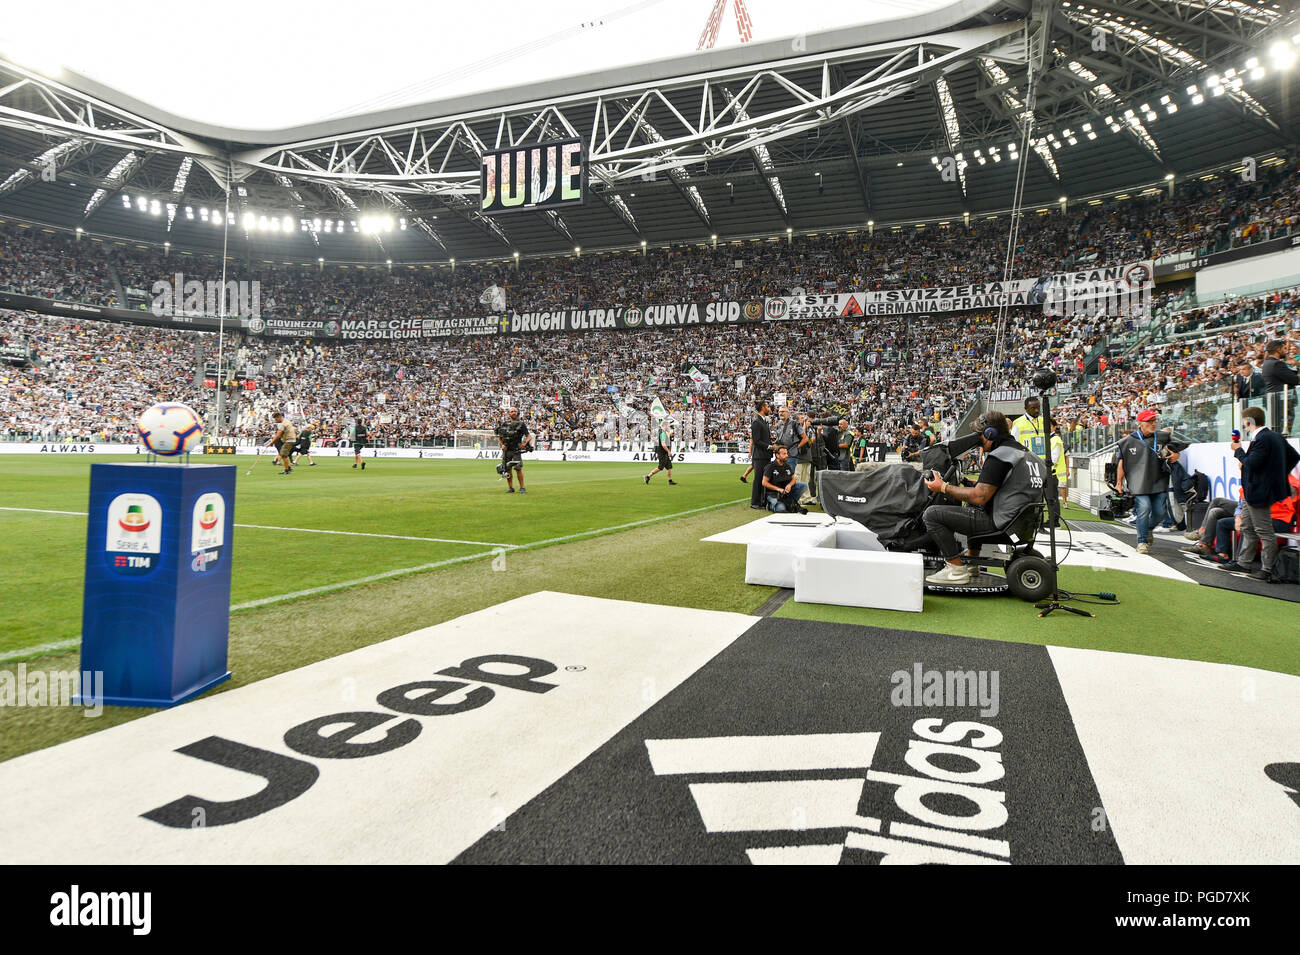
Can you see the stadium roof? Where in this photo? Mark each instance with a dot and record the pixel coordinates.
(829, 130)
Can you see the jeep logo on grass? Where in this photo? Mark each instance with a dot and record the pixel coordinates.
(333, 737)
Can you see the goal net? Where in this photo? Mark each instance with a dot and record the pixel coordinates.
(478, 440)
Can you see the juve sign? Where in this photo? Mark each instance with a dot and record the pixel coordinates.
(528, 178)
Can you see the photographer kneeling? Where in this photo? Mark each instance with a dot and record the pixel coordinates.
(944, 521)
(783, 491)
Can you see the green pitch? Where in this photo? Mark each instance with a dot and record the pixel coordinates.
(308, 531)
(456, 542)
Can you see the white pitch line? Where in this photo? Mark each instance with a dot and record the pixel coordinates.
(38, 650)
(399, 537)
(402, 571)
(304, 530)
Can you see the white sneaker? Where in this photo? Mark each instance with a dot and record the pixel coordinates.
(1144, 548)
(950, 574)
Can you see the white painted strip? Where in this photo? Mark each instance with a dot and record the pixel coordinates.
(343, 584)
(398, 537)
(779, 805)
(758, 754)
(403, 571)
(39, 650)
(797, 855)
(621, 527)
(303, 530)
(455, 775)
(958, 840)
(1181, 753)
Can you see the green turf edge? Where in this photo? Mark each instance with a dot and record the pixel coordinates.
(661, 563)
(1156, 617)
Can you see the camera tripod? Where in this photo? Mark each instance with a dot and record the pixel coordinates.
(1044, 380)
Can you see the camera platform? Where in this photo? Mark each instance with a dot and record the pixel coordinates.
(983, 584)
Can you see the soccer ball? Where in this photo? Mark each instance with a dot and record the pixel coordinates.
(169, 429)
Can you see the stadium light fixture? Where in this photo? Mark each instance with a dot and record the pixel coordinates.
(1198, 99)
(577, 250)
(1169, 175)
(80, 230)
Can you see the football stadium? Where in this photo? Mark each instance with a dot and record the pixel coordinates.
(852, 435)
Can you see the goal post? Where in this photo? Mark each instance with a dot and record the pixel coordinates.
(476, 440)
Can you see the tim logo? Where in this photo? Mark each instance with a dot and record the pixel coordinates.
(203, 560)
(950, 809)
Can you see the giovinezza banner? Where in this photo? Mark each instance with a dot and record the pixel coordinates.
(1061, 289)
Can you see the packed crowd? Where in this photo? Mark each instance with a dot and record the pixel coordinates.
(1201, 216)
(90, 379)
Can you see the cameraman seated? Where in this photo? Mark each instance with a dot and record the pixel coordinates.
(783, 491)
(944, 521)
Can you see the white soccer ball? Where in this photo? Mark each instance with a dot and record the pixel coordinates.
(169, 429)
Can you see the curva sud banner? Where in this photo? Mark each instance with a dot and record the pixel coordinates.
(1063, 287)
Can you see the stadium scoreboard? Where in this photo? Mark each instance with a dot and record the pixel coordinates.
(538, 176)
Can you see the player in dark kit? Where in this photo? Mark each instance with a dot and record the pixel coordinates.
(664, 449)
(359, 435)
(303, 448)
(514, 438)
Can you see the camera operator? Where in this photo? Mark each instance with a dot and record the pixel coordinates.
(944, 521)
(512, 434)
(1143, 465)
(912, 446)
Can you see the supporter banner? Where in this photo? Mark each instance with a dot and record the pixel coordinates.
(633, 317)
(1069, 287)
(1186, 262)
(132, 316)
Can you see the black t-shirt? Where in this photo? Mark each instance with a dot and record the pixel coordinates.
(995, 471)
(361, 433)
(779, 474)
(512, 433)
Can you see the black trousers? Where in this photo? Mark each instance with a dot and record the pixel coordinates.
(943, 521)
(758, 495)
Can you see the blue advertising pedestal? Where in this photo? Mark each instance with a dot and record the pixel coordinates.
(156, 613)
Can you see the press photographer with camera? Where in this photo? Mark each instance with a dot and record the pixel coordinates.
(1144, 466)
(514, 438)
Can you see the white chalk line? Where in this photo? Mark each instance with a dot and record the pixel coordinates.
(303, 530)
(373, 578)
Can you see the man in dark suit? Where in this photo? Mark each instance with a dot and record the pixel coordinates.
(1247, 383)
(1264, 470)
(1279, 376)
(760, 452)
